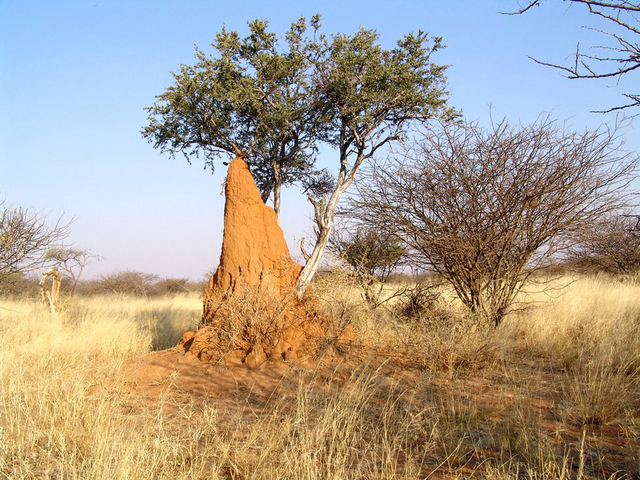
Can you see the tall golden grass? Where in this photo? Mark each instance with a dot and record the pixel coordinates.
(582, 320)
(418, 415)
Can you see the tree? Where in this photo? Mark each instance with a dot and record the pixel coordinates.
(619, 58)
(252, 99)
(486, 208)
(273, 108)
(71, 261)
(611, 245)
(25, 238)
(372, 255)
(372, 95)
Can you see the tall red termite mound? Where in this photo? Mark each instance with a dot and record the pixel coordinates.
(254, 252)
(251, 312)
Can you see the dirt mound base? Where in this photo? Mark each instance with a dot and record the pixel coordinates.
(253, 327)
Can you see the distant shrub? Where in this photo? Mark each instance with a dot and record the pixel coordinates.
(418, 299)
(171, 286)
(371, 257)
(611, 246)
(125, 282)
(18, 284)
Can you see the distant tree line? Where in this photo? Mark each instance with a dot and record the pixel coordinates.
(128, 282)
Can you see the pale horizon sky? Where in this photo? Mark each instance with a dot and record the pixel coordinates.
(75, 77)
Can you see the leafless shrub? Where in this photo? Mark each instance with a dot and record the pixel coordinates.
(18, 284)
(171, 286)
(611, 245)
(486, 208)
(126, 282)
(25, 237)
(417, 299)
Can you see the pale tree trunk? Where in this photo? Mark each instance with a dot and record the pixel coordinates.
(324, 212)
(277, 187)
(324, 218)
(311, 267)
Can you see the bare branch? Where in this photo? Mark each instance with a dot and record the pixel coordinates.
(305, 255)
(624, 57)
(72, 261)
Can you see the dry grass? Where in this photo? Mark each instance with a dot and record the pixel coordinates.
(552, 395)
(579, 321)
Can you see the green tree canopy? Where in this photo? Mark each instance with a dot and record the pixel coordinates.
(252, 99)
(371, 254)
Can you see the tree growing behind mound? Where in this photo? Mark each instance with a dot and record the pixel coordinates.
(372, 95)
(371, 255)
(486, 208)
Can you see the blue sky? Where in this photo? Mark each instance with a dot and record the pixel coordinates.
(75, 77)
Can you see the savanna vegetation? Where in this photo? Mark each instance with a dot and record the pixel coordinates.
(490, 276)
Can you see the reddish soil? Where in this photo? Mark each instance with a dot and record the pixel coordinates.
(184, 378)
(474, 407)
